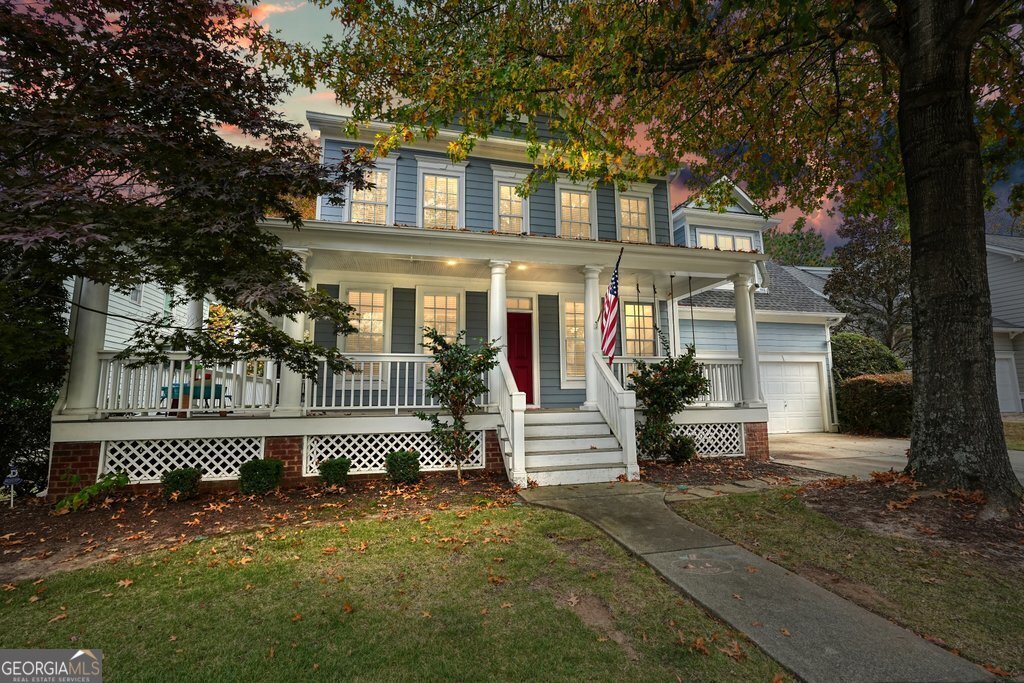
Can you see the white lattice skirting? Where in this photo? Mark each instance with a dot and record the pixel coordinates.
(144, 461)
(367, 451)
(724, 438)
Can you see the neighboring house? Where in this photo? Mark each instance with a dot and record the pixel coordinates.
(793, 319)
(451, 246)
(1006, 281)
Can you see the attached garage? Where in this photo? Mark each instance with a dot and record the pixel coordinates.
(795, 396)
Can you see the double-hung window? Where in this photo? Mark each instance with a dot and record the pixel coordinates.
(370, 205)
(441, 312)
(511, 209)
(639, 339)
(575, 349)
(724, 241)
(574, 211)
(368, 319)
(441, 187)
(635, 213)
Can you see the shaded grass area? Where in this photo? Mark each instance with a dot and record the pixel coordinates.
(501, 594)
(964, 603)
(1014, 431)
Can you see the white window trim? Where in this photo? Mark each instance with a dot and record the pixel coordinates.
(389, 165)
(388, 291)
(752, 236)
(577, 187)
(636, 191)
(142, 294)
(655, 308)
(566, 381)
(435, 291)
(505, 175)
(434, 166)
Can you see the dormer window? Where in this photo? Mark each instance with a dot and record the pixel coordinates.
(724, 241)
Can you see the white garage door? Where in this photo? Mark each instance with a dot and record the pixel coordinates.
(1006, 386)
(793, 393)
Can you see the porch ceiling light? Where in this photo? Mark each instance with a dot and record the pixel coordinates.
(521, 266)
(451, 262)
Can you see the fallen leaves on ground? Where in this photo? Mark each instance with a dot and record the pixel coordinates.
(125, 583)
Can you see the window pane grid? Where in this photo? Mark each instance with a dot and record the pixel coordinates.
(575, 214)
(440, 201)
(634, 219)
(724, 242)
(370, 205)
(441, 312)
(575, 353)
(519, 304)
(368, 319)
(639, 338)
(510, 209)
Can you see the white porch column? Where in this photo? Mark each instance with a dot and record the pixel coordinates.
(289, 397)
(746, 338)
(497, 316)
(591, 344)
(194, 314)
(87, 341)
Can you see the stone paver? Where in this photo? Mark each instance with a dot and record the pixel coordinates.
(814, 633)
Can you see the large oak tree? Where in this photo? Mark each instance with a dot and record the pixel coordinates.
(906, 104)
(114, 167)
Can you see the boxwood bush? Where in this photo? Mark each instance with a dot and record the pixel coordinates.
(854, 355)
(260, 476)
(183, 481)
(334, 472)
(876, 404)
(403, 467)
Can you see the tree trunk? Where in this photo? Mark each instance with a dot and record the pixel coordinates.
(957, 436)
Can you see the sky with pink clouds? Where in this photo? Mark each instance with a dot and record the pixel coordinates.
(301, 21)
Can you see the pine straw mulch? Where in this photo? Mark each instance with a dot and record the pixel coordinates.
(36, 542)
(893, 504)
(709, 471)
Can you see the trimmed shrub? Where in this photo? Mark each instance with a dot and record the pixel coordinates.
(182, 483)
(682, 448)
(403, 466)
(876, 404)
(260, 476)
(334, 472)
(855, 354)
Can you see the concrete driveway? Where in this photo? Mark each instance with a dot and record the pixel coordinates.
(850, 455)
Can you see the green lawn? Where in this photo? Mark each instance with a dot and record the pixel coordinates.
(970, 604)
(1014, 434)
(501, 594)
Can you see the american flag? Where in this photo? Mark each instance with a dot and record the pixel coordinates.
(610, 314)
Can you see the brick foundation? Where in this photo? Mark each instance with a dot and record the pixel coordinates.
(287, 449)
(71, 460)
(493, 459)
(755, 435)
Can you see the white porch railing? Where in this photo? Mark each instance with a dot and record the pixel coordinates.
(723, 375)
(379, 381)
(618, 407)
(512, 408)
(183, 387)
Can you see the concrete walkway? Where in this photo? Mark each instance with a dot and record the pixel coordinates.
(851, 455)
(814, 633)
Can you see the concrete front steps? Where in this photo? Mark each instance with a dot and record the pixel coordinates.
(571, 447)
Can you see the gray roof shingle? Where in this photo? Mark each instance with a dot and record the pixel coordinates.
(785, 293)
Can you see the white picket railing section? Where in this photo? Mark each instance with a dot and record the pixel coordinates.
(618, 407)
(378, 381)
(723, 375)
(183, 387)
(512, 408)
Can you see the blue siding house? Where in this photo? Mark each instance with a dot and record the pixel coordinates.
(454, 246)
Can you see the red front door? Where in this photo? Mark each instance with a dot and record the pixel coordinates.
(520, 351)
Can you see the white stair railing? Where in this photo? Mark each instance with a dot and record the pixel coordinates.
(512, 409)
(723, 374)
(618, 407)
